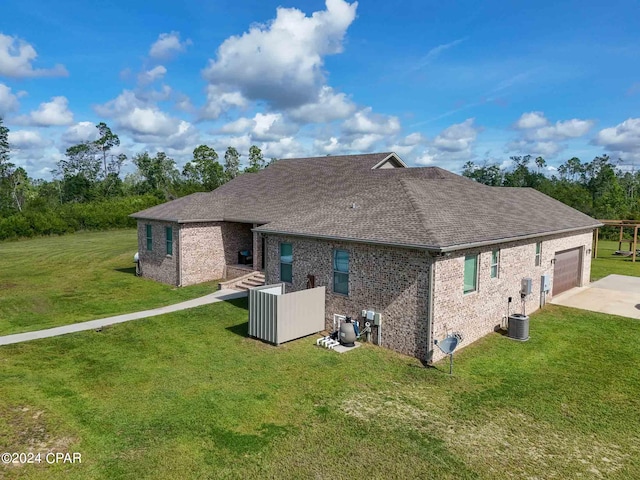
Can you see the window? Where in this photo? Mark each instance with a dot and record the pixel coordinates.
(286, 262)
(149, 238)
(470, 273)
(538, 254)
(341, 272)
(169, 238)
(495, 263)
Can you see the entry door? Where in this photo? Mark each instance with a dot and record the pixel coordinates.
(566, 270)
(262, 254)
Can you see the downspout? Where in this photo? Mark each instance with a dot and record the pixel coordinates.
(432, 274)
(179, 256)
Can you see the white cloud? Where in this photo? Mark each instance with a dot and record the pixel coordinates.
(539, 137)
(150, 76)
(415, 138)
(285, 147)
(26, 140)
(365, 122)
(281, 62)
(167, 45)
(327, 147)
(239, 142)
(535, 126)
(147, 123)
(426, 158)
(363, 142)
(8, 101)
(80, 132)
(573, 128)
(329, 106)
(408, 144)
(263, 127)
(53, 113)
(220, 100)
(183, 103)
(17, 56)
(531, 120)
(434, 53)
(457, 138)
(454, 144)
(536, 149)
(240, 125)
(623, 139)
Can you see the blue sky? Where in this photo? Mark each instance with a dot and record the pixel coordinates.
(440, 83)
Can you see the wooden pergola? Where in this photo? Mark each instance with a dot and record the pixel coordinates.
(622, 224)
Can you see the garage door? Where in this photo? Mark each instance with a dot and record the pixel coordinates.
(566, 271)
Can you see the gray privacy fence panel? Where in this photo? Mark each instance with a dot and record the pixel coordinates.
(278, 317)
(263, 311)
(300, 314)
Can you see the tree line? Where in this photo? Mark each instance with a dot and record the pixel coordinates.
(602, 189)
(88, 190)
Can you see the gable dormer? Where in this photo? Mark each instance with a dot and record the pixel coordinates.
(391, 161)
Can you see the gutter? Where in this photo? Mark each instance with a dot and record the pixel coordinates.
(451, 248)
(484, 243)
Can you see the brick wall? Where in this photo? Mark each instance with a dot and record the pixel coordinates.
(201, 251)
(391, 281)
(479, 313)
(257, 251)
(209, 247)
(156, 264)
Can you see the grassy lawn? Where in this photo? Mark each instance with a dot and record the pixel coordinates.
(52, 281)
(607, 263)
(187, 395)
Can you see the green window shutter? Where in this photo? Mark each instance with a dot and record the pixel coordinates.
(341, 272)
(470, 273)
(169, 237)
(149, 238)
(286, 262)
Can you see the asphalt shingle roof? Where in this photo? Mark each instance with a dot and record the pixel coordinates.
(343, 197)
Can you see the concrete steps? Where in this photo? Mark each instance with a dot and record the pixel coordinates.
(256, 280)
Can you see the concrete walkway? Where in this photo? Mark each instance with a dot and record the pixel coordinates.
(613, 294)
(219, 296)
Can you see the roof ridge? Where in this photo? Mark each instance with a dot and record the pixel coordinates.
(416, 208)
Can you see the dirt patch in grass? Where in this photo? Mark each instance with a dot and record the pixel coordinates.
(27, 430)
(508, 445)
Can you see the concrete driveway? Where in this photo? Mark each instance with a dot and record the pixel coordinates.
(614, 294)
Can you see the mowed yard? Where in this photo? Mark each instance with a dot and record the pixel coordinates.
(188, 395)
(53, 281)
(607, 263)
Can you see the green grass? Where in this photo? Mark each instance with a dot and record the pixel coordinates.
(51, 281)
(188, 395)
(607, 263)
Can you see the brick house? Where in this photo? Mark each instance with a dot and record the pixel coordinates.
(432, 251)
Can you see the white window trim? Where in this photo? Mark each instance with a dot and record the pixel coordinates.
(497, 264)
(538, 257)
